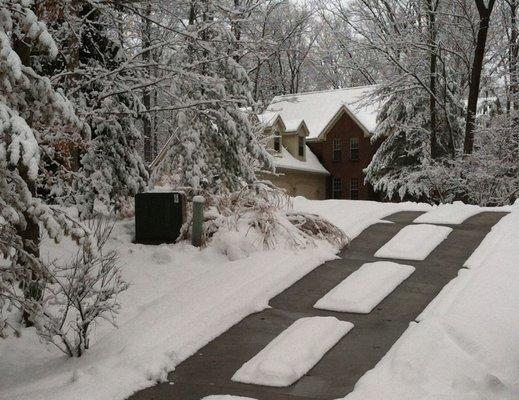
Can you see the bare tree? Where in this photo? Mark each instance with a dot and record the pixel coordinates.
(485, 11)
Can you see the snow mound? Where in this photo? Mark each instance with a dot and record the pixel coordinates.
(414, 242)
(365, 288)
(294, 352)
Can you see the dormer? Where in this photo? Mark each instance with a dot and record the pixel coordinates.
(294, 139)
(274, 133)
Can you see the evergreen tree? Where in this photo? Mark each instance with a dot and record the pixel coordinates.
(398, 168)
(95, 72)
(31, 111)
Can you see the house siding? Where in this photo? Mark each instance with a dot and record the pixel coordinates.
(299, 183)
(346, 169)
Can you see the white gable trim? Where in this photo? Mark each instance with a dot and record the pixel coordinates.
(333, 121)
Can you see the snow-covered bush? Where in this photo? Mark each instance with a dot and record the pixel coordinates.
(79, 292)
(487, 177)
(260, 216)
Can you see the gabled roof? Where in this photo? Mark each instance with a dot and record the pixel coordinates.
(319, 109)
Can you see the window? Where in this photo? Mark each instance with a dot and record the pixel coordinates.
(301, 146)
(277, 143)
(354, 149)
(336, 188)
(337, 154)
(354, 189)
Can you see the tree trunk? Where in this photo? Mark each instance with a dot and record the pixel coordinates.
(236, 30)
(433, 64)
(475, 77)
(146, 96)
(513, 55)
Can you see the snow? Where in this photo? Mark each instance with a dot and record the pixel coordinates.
(450, 214)
(353, 216)
(293, 352)
(414, 242)
(317, 109)
(365, 288)
(285, 160)
(180, 298)
(465, 345)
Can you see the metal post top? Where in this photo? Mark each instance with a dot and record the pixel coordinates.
(198, 199)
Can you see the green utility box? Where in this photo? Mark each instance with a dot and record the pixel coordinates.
(159, 216)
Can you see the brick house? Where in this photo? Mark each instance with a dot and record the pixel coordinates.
(337, 128)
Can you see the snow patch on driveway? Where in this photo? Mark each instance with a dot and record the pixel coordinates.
(353, 216)
(293, 352)
(449, 214)
(365, 288)
(226, 397)
(414, 242)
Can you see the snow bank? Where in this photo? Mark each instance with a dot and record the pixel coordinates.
(414, 242)
(365, 288)
(465, 346)
(293, 352)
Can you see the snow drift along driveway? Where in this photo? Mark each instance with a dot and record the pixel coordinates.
(465, 346)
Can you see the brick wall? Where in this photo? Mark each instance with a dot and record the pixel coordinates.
(346, 169)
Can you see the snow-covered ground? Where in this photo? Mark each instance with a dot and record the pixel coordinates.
(180, 298)
(365, 288)
(293, 352)
(466, 345)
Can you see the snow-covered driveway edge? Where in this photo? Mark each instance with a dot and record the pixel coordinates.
(465, 345)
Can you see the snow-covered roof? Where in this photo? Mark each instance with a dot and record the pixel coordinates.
(285, 160)
(318, 109)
